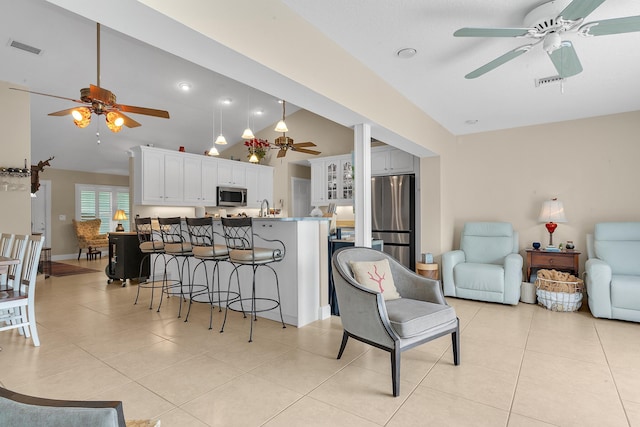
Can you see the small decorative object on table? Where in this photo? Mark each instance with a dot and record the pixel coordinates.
(569, 246)
(536, 245)
(559, 291)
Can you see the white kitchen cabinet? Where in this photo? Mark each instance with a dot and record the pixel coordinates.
(209, 182)
(318, 196)
(149, 177)
(169, 178)
(200, 181)
(193, 181)
(231, 173)
(390, 161)
(158, 177)
(173, 178)
(332, 180)
(259, 182)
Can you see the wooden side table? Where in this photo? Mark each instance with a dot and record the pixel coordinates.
(427, 270)
(567, 260)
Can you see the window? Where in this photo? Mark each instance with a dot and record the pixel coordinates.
(101, 201)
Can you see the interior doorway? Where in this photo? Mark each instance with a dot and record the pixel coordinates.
(41, 212)
(300, 197)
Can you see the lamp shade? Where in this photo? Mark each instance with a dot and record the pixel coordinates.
(281, 127)
(248, 134)
(120, 215)
(552, 211)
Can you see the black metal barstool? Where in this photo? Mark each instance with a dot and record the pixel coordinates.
(176, 246)
(207, 250)
(150, 243)
(240, 238)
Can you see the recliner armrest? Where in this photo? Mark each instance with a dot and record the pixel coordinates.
(449, 261)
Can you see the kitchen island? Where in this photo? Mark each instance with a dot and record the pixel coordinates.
(303, 273)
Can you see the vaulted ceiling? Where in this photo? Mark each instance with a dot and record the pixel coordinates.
(372, 31)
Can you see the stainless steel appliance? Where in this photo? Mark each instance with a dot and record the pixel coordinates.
(232, 196)
(393, 216)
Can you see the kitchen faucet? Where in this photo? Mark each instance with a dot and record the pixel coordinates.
(266, 213)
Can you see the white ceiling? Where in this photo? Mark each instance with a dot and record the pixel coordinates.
(374, 30)
(370, 30)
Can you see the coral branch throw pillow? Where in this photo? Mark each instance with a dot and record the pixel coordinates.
(375, 275)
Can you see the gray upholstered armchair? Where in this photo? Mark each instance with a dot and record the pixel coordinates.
(19, 410)
(487, 267)
(390, 320)
(612, 272)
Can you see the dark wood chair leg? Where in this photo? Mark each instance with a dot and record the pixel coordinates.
(395, 371)
(345, 337)
(79, 253)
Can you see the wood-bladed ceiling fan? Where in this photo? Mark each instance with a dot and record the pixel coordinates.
(100, 101)
(284, 143)
(547, 24)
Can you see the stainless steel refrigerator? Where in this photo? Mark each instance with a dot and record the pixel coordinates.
(393, 216)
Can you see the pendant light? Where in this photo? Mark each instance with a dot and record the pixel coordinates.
(213, 151)
(253, 158)
(281, 126)
(248, 134)
(221, 139)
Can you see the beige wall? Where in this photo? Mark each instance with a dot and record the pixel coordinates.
(591, 165)
(63, 202)
(15, 146)
(330, 138)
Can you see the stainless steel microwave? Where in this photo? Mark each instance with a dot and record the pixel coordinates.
(232, 196)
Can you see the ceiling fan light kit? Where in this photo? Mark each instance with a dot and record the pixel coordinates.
(100, 101)
(547, 24)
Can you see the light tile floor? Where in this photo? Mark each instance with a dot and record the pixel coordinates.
(521, 366)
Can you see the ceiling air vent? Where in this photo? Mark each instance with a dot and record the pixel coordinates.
(547, 80)
(25, 47)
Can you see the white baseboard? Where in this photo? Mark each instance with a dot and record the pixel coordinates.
(324, 312)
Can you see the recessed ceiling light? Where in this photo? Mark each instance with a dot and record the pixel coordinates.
(186, 87)
(406, 53)
(471, 122)
(227, 101)
(259, 112)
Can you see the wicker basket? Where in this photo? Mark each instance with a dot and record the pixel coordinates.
(559, 296)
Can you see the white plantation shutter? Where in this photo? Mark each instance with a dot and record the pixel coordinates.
(100, 201)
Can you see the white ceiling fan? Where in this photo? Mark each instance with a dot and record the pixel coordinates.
(547, 24)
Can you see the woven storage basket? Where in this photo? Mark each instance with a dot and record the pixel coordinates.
(559, 296)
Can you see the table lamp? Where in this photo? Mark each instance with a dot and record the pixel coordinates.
(120, 216)
(552, 212)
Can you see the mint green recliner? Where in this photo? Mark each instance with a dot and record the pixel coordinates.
(487, 267)
(613, 270)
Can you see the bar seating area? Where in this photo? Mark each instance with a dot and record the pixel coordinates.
(204, 266)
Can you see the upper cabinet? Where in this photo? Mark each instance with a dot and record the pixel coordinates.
(158, 177)
(200, 181)
(390, 161)
(232, 173)
(332, 177)
(332, 180)
(164, 177)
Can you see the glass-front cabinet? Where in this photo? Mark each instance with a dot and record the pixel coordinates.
(332, 180)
